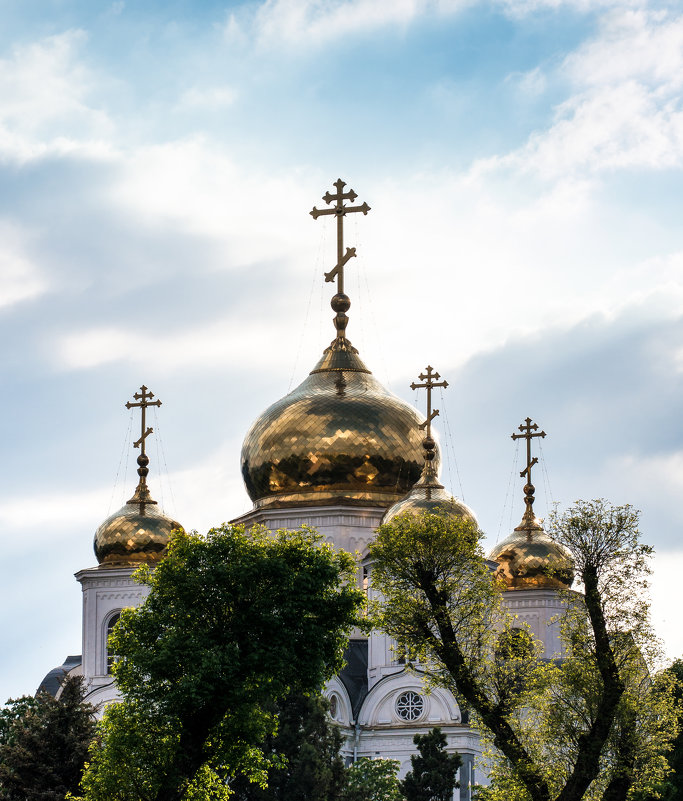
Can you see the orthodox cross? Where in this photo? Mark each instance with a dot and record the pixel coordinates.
(340, 211)
(431, 380)
(529, 431)
(144, 399)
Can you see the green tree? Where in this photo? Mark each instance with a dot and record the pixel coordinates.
(44, 743)
(309, 743)
(557, 732)
(434, 770)
(671, 788)
(234, 621)
(373, 780)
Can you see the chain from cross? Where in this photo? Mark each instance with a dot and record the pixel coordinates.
(340, 211)
(431, 380)
(145, 399)
(529, 431)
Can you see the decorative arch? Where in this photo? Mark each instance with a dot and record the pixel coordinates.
(343, 714)
(386, 700)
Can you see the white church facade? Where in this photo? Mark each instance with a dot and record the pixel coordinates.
(342, 454)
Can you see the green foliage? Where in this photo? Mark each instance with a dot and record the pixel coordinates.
(373, 780)
(671, 789)
(430, 559)
(233, 623)
(43, 744)
(434, 770)
(309, 744)
(14, 713)
(595, 725)
(129, 755)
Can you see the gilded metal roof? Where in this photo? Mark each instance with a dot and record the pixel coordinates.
(427, 495)
(530, 559)
(137, 534)
(339, 437)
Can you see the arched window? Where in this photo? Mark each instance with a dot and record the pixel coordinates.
(111, 657)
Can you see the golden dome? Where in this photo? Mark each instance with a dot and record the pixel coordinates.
(530, 559)
(138, 533)
(135, 535)
(427, 495)
(339, 437)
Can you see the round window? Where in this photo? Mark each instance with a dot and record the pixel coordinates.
(409, 705)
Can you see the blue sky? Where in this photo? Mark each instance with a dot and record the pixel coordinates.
(523, 161)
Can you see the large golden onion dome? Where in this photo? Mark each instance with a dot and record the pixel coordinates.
(138, 533)
(529, 558)
(339, 437)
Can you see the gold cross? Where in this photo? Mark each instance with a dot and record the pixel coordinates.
(529, 431)
(528, 428)
(340, 210)
(431, 380)
(145, 399)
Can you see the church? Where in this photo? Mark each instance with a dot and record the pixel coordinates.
(342, 454)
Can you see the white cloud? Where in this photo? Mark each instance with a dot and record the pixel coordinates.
(215, 97)
(637, 45)
(666, 604)
(43, 100)
(277, 23)
(522, 8)
(50, 512)
(20, 278)
(625, 111)
(216, 344)
(532, 83)
(195, 187)
(315, 22)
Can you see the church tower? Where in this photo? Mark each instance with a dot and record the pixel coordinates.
(532, 566)
(136, 535)
(339, 449)
(336, 453)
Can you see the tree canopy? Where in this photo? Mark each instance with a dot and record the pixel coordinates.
(591, 726)
(44, 743)
(373, 780)
(309, 744)
(234, 622)
(433, 770)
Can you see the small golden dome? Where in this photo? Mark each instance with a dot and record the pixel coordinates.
(530, 559)
(427, 495)
(135, 535)
(339, 437)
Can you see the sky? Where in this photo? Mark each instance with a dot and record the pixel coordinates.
(523, 160)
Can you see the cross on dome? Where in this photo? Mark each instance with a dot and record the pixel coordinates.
(529, 431)
(144, 400)
(340, 302)
(431, 380)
